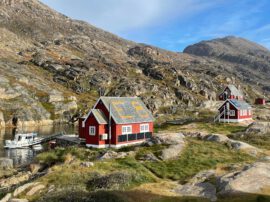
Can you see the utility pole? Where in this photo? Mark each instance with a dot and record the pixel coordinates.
(110, 125)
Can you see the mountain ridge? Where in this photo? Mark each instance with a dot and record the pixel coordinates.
(75, 62)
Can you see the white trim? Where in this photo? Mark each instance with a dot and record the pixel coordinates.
(102, 146)
(232, 112)
(145, 125)
(128, 132)
(90, 132)
(235, 120)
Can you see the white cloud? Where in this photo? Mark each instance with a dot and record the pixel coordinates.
(127, 15)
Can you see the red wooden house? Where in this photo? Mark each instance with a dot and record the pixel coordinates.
(126, 118)
(231, 92)
(234, 111)
(260, 101)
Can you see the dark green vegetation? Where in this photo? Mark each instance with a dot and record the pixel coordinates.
(196, 157)
(116, 196)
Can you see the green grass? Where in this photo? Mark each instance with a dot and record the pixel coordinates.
(59, 154)
(197, 156)
(222, 128)
(74, 175)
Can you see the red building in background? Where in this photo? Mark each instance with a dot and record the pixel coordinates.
(234, 111)
(116, 122)
(231, 92)
(260, 101)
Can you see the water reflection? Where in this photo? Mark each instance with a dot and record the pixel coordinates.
(24, 156)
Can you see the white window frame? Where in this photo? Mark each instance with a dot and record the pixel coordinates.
(232, 112)
(92, 130)
(144, 128)
(127, 129)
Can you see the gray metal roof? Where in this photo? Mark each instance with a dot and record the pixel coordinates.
(100, 117)
(127, 109)
(239, 104)
(235, 91)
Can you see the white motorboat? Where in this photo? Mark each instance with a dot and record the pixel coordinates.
(22, 140)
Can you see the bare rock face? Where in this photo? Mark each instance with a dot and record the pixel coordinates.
(168, 138)
(258, 128)
(6, 163)
(43, 50)
(216, 138)
(175, 142)
(199, 187)
(252, 179)
(35, 190)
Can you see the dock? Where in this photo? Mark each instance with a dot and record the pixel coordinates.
(49, 138)
(68, 140)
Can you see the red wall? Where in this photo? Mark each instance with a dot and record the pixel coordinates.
(81, 129)
(135, 129)
(116, 129)
(231, 108)
(237, 113)
(260, 101)
(221, 96)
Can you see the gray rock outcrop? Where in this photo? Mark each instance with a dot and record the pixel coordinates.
(251, 179)
(6, 163)
(175, 142)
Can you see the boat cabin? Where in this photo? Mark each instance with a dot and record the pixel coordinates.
(116, 122)
(234, 111)
(231, 92)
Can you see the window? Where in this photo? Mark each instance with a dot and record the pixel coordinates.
(92, 130)
(132, 137)
(122, 138)
(126, 129)
(140, 136)
(232, 113)
(144, 128)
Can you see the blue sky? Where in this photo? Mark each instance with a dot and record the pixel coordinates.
(173, 24)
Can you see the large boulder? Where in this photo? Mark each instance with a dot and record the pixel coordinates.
(216, 138)
(35, 190)
(199, 186)
(168, 138)
(258, 128)
(202, 189)
(172, 152)
(24, 187)
(175, 142)
(6, 163)
(251, 179)
(245, 147)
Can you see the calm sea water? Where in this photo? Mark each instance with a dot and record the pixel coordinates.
(26, 155)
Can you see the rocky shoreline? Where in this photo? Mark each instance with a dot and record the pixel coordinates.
(209, 184)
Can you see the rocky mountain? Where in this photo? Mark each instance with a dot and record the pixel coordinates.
(53, 67)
